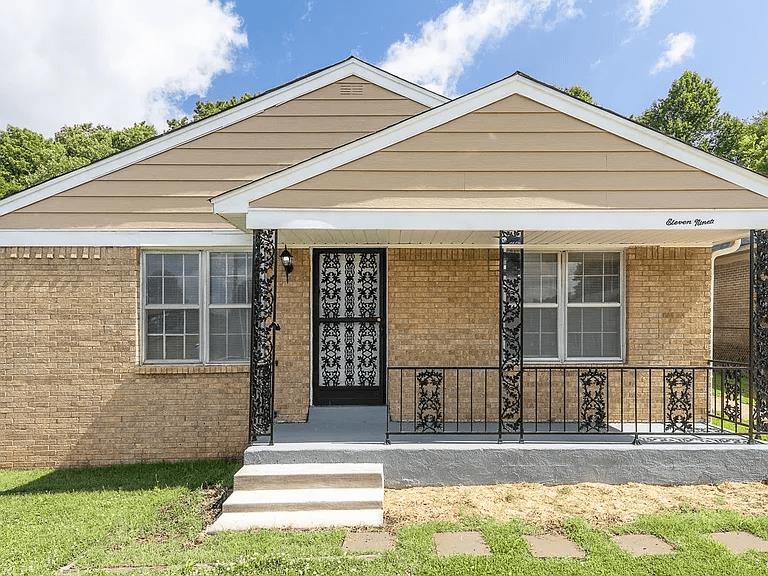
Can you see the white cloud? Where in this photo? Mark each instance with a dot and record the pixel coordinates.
(110, 61)
(643, 10)
(678, 47)
(447, 44)
(307, 10)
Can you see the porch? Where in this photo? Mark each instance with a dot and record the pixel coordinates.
(349, 435)
(679, 399)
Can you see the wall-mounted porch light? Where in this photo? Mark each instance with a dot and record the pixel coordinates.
(287, 259)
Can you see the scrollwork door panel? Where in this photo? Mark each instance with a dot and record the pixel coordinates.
(349, 320)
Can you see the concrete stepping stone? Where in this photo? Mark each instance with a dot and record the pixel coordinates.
(553, 546)
(739, 542)
(451, 543)
(366, 542)
(642, 545)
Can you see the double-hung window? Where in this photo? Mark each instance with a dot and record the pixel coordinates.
(573, 306)
(196, 307)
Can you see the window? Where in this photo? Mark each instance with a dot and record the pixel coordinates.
(541, 304)
(229, 310)
(196, 306)
(573, 306)
(594, 306)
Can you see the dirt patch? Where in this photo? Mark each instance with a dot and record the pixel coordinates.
(550, 506)
(213, 499)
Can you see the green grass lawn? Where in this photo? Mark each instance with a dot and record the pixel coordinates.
(152, 516)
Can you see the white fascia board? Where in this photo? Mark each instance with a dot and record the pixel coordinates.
(353, 219)
(120, 238)
(222, 120)
(239, 199)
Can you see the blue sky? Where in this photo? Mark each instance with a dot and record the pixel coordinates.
(601, 49)
(118, 62)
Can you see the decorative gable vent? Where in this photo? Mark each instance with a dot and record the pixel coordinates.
(350, 89)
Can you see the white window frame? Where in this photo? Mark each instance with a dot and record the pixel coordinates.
(211, 306)
(562, 312)
(549, 305)
(204, 305)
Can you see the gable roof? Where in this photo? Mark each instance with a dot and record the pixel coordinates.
(238, 200)
(313, 81)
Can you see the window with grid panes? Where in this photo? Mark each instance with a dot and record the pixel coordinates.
(196, 306)
(572, 306)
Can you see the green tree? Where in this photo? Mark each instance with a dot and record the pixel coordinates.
(689, 111)
(729, 137)
(27, 158)
(204, 109)
(85, 143)
(132, 136)
(754, 144)
(580, 93)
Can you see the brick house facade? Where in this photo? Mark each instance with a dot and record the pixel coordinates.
(92, 401)
(129, 290)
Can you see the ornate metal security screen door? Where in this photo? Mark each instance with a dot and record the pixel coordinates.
(349, 326)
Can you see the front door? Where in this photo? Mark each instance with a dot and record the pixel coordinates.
(349, 325)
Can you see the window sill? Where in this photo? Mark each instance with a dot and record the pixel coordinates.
(573, 363)
(192, 369)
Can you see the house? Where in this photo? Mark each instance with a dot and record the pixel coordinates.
(512, 262)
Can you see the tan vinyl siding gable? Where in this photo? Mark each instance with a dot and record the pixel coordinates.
(172, 189)
(515, 154)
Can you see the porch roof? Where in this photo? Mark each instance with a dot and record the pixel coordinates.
(517, 154)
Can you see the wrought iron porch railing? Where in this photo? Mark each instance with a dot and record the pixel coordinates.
(630, 401)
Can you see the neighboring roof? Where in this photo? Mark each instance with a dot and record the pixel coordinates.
(274, 97)
(238, 200)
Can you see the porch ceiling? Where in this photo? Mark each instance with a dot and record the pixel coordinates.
(488, 239)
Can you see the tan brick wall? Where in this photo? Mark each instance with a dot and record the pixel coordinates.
(731, 325)
(292, 373)
(72, 392)
(442, 307)
(668, 305)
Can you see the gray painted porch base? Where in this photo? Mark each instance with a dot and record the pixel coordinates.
(335, 435)
(466, 463)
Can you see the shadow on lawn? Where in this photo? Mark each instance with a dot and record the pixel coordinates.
(191, 474)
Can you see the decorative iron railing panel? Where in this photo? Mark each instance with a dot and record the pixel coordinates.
(429, 411)
(759, 331)
(640, 403)
(592, 403)
(263, 326)
(443, 400)
(510, 331)
(678, 402)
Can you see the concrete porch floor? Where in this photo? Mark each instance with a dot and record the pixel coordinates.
(367, 425)
(356, 435)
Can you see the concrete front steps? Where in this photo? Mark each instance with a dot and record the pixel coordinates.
(304, 496)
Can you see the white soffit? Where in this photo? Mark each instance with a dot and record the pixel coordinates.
(238, 200)
(534, 239)
(273, 97)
